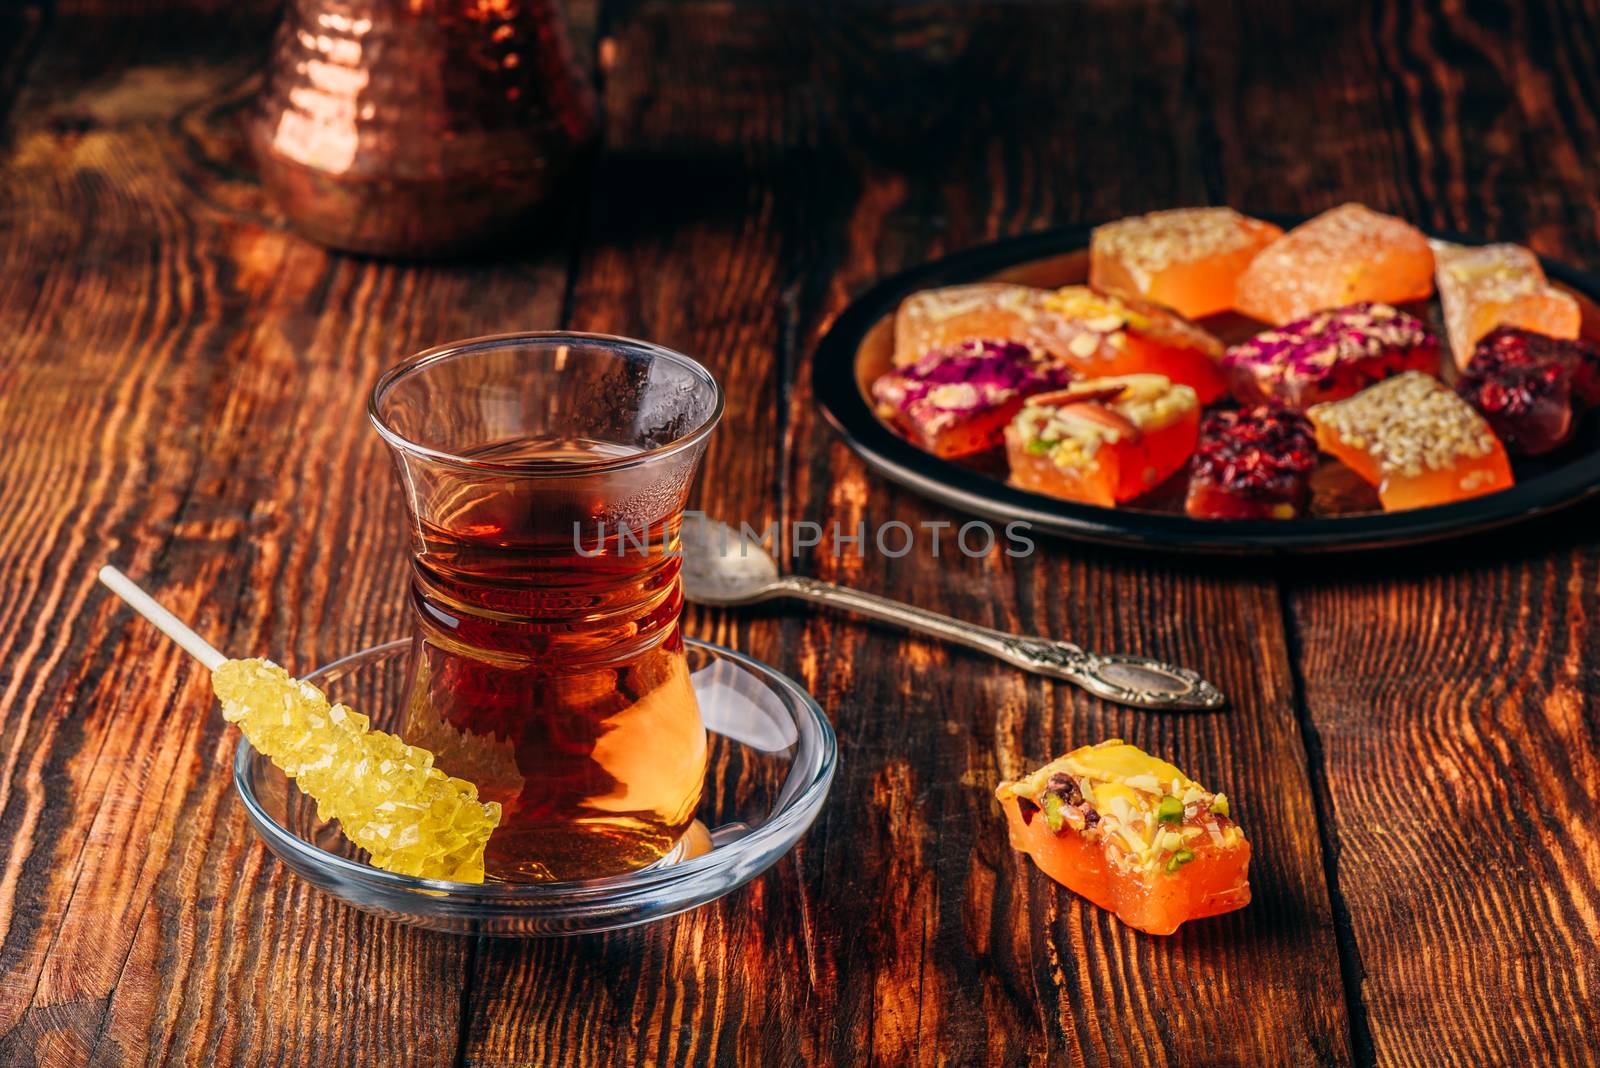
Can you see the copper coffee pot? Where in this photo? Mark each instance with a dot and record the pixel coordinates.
(418, 127)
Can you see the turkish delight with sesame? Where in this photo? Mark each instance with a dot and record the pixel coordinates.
(1414, 439)
(1531, 388)
(1485, 286)
(1329, 355)
(1188, 259)
(1109, 335)
(957, 401)
(1253, 463)
(1344, 256)
(1103, 441)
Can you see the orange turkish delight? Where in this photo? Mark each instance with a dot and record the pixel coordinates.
(1343, 256)
(1185, 258)
(1131, 833)
(1485, 286)
(937, 319)
(1110, 335)
(1415, 440)
(1103, 441)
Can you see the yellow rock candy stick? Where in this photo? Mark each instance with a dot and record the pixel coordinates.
(388, 797)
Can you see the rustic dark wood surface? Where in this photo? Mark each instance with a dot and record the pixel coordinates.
(1412, 746)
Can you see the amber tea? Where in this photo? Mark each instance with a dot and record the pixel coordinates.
(548, 664)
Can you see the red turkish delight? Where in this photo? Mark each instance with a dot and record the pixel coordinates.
(1252, 464)
(1531, 388)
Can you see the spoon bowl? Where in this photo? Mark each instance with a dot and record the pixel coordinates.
(723, 566)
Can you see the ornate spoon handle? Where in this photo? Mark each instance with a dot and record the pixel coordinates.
(1126, 679)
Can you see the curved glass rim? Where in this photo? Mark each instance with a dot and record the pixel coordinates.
(421, 361)
(796, 803)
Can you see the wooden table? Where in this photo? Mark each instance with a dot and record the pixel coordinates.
(1412, 745)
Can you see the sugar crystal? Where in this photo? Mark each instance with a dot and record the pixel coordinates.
(388, 797)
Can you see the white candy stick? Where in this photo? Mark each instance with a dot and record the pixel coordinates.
(165, 621)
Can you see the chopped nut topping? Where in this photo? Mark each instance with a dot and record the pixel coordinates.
(1098, 324)
(1083, 346)
(1144, 809)
(1071, 430)
(1099, 312)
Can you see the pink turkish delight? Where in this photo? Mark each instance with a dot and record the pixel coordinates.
(958, 400)
(1329, 355)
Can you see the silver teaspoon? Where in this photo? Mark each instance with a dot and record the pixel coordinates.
(723, 567)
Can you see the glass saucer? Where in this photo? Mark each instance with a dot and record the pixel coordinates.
(772, 758)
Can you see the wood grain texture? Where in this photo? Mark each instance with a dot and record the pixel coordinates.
(679, 247)
(903, 930)
(184, 387)
(1456, 739)
(1412, 746)
(1005, 967)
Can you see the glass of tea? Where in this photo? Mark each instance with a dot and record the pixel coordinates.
(545, 477)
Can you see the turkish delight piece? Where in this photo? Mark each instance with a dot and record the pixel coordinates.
(1131, 833)
(936, 319)
(1103, 441)
(1531, 388)
(958, 400)
(1109, 335)
(1485, 286)
(1253, 463)
(1187, 258)
(1329, 355)
(1344, 256)
(1414, 439)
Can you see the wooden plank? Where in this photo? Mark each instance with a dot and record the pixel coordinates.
(779, 161)
(680, 247)
(1458, 742)
(1451, 692)
(1081, 115)
(21, 29)
(183, 394)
